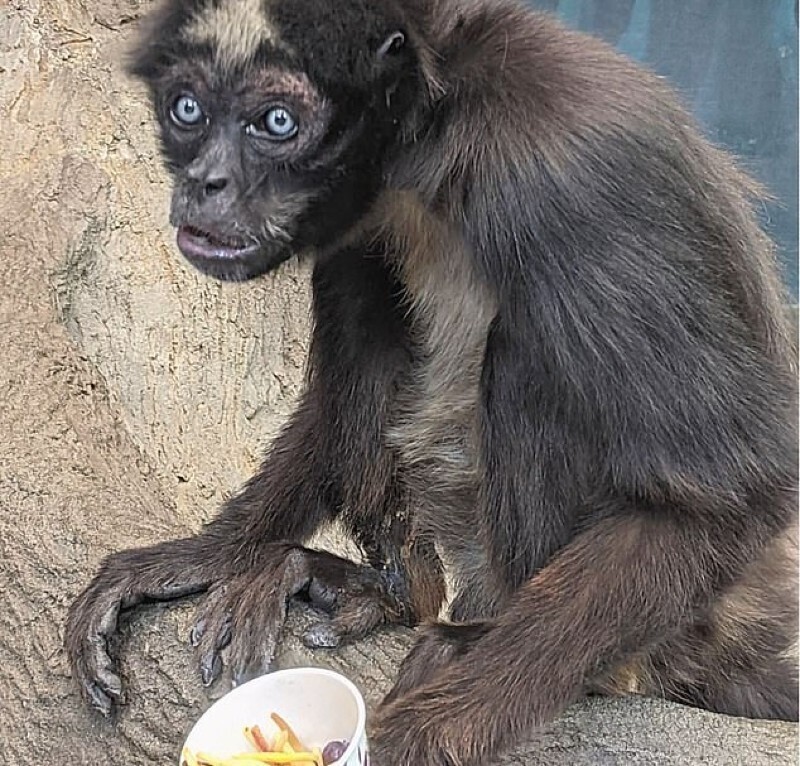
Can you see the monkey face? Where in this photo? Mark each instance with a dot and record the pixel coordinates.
(275, 121)
(246, 168)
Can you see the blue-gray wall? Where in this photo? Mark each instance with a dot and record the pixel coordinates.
(736, 64)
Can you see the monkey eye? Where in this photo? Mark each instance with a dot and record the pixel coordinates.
(276, 124)
(186, 112)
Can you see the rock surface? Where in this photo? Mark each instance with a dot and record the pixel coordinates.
(135, 394)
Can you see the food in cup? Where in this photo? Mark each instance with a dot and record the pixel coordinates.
(284, 748)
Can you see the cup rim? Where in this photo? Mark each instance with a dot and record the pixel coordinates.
(361, 723)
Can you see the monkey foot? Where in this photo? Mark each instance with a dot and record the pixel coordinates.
(438, 645)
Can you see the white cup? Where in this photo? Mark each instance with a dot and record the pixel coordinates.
(318, 704)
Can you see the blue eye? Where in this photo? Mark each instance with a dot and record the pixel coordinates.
(186, 112)
(277, 124)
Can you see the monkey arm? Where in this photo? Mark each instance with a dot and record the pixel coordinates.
(533, 455)
(281, 502)
(358, 354)
(632, 579)
(328, 461)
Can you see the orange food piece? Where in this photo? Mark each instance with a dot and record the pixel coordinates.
(294, 740)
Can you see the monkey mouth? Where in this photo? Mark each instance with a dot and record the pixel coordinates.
(226, 256)
(200, 243)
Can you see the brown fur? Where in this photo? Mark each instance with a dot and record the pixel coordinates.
(742, 641)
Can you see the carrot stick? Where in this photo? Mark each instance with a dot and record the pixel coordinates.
(260, 739)
(294, 741)
(248, 735)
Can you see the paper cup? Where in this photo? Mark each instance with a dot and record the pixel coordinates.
(318, 704)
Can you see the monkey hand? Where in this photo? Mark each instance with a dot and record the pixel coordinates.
(245, 614)
(164, 572)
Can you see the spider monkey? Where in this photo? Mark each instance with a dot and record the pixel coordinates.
(548, 358)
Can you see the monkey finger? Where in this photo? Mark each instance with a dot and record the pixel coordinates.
(323, 595)
(255, 639)
(210, 667)
(95, 695)
(222, 632)
(209, 635)
(357, 619)
(254, 662)
(109, 681)
(252, 651)
(211, 660)
(213, 616)
(197, 631)
(215, 636)
(91, 622)
(100, 686)
(171, 591)
(98, 699)
(100, 669)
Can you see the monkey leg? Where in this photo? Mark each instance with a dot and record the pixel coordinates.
(632, 579)
(738, 658)
(752, 672)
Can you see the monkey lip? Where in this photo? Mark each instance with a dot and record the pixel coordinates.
(227, 258)
(198, 244)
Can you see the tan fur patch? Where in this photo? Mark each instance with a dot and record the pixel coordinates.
(435, 427)
(754, 598)
(627, 679)
(235, 29)
(284, 211)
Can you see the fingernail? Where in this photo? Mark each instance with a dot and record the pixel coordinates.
(111, 683)
(210, 668)
(197, 631)
(98, 699)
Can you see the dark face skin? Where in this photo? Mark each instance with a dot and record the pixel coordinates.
(241, 163)
(269, 160)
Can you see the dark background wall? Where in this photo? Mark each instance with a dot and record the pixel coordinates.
(736, 64)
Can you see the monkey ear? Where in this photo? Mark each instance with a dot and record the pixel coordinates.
(393, 43)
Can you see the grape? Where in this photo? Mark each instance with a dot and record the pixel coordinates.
(333, 751)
